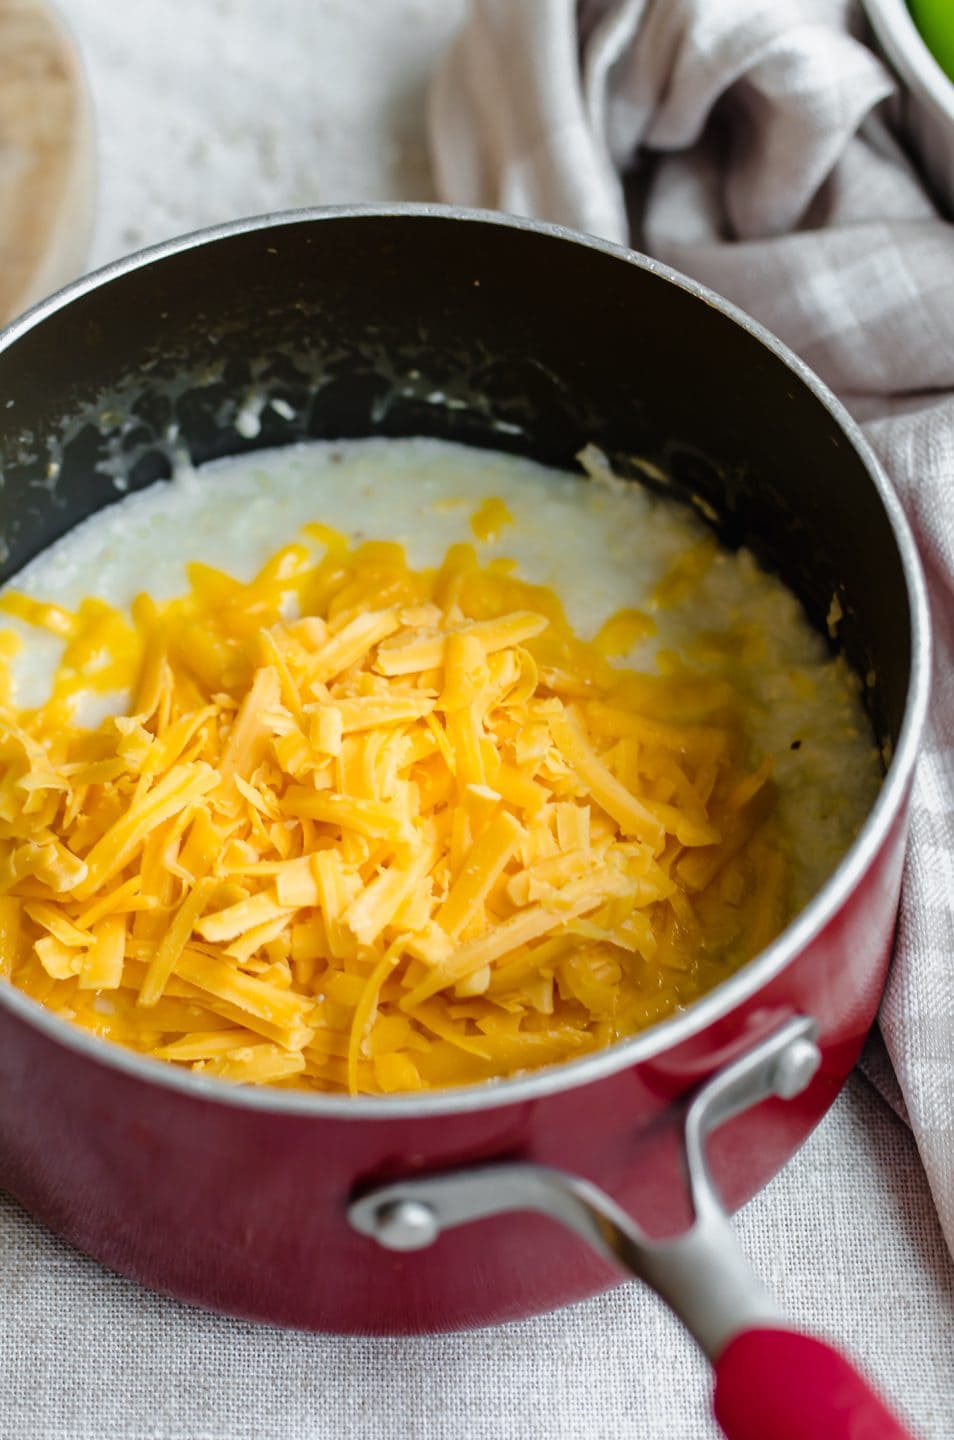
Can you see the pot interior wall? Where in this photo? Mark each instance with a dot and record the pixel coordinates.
(478, 332)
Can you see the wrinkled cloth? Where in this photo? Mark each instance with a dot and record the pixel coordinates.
(86, 1355)
(748, 143)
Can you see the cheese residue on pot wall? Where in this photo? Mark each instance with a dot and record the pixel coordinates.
(356, 823)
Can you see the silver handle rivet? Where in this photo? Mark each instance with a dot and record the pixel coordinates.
(795, 1067)
(405, 1225)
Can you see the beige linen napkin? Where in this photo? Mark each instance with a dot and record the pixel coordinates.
(745, 143)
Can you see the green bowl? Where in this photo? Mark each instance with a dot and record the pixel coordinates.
(925, 102)
(935, 20)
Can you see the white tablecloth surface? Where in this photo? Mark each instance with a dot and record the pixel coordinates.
(205, 111)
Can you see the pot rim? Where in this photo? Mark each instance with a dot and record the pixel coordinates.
(716, 1003)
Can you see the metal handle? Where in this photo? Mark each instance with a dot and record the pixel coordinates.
(771, 1383)
(702, 1275)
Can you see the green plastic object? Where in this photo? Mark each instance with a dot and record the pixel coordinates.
(935, 20)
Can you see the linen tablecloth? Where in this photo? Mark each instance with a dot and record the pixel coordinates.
(227, 107)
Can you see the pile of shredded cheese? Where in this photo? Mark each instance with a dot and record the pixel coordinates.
(369, 829)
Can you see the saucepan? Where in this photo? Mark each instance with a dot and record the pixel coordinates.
(423, 1212)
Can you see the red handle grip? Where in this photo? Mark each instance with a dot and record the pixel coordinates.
(780, 1385)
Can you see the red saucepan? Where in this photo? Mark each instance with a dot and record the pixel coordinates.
(422, 1212)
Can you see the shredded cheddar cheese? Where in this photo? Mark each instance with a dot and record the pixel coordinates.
(363, 828)
(490, 518)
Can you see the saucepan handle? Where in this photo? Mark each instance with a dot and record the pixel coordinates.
(772, 1383)
(777, 1384)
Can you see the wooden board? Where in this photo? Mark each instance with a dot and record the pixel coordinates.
(46, 156)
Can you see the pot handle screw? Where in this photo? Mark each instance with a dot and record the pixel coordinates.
(795, 1067)
(405, 1225)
